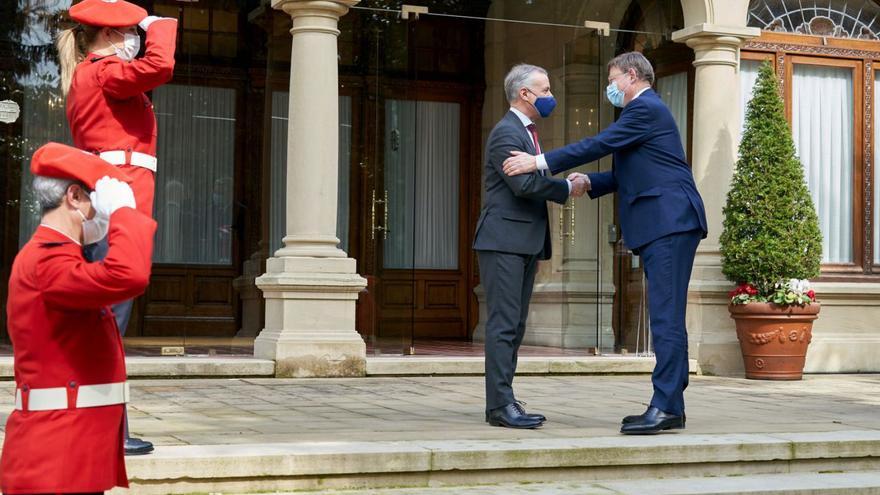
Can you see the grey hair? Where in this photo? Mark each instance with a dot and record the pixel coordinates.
(50, 192)
(518, 78)
(636, 61)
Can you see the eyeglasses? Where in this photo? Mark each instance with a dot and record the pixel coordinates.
(615, 76)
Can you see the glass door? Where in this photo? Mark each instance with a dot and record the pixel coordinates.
(390, 179)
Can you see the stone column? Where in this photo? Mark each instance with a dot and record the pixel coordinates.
(311, 285)
(716, 136)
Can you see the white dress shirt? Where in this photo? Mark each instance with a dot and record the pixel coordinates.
(542, 162)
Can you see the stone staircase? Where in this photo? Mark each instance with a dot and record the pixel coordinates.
(841, 462)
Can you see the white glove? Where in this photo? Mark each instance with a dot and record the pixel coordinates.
(110, 195)
(145, 24)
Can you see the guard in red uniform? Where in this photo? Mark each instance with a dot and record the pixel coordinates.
(65, 434)
(107, 108)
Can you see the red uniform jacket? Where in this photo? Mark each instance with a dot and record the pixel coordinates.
(108, 111)
(63, 332)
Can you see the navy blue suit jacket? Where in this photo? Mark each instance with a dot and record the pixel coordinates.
(655, 187)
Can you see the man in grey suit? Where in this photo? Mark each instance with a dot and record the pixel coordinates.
(512, 235)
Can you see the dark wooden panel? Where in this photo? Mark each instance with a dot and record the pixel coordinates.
(188, 301)
(166, 289)
(213, 290)
(441, 295)
(397, 293)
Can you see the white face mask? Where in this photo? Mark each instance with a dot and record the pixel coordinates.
(94, 229)
(131, 45)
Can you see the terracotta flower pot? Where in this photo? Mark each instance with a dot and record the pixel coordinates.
(774, 339)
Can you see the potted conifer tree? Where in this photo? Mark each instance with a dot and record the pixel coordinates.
(771, 243)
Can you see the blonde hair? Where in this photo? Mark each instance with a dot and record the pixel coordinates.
(73, 45)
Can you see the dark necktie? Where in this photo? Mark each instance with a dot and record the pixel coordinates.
(533, 130)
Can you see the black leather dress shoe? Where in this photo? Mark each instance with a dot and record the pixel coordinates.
(136, 446)
(638, 417)
(522, 410)
(510, 416)
(653, 421)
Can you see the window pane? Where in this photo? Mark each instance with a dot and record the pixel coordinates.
(822, 122)
(674, 91)
(278, 163)
(194, 182)
(43, 120)
(748, 75)
(421, 176)
(837, 18)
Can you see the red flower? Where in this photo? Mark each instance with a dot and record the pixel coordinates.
(743, 289)
(811, 294)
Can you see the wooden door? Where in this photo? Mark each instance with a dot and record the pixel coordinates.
(417, 212)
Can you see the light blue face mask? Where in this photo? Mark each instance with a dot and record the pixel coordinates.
(615, 95)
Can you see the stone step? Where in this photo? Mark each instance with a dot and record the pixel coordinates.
(347, 465)
(244, 366)
(852, 483)
(527, 365)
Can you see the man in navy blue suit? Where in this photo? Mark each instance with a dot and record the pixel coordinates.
(661, 216)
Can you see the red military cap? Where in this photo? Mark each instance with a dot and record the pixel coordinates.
(107, 13)
(66, 162)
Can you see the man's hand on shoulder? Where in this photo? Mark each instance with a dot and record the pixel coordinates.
(580, 184)
(520, 163)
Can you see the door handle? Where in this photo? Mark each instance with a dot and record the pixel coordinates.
(570, 234)
(378, 228)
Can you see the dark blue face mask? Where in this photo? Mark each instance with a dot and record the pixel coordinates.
(543, 104)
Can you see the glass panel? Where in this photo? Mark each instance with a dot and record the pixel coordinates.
(194, 182)
(674, 92)
(278, 152)
(822, 124)
(838, 18)
(421, 176)
(393, 171)
(37, 90)
(748, 75)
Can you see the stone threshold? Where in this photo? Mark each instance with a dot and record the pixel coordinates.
(850, 483)
(345, 465)
(244, 366)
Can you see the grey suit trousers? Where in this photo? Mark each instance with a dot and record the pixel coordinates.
(507, 279)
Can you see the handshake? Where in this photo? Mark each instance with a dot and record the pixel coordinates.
(580, 184)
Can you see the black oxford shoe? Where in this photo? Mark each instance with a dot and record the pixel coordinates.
(510, 416)
(638, 417)
(136, 446)
(519, 406)
(653, 421)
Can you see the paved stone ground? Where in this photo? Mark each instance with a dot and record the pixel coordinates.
(231, 411)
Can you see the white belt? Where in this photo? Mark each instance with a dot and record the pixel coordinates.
(50, 399)
(138, 159)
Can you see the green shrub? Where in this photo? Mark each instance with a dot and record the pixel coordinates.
(771, 231)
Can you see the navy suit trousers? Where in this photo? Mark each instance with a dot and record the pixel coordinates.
(668, 262)
(121, 311)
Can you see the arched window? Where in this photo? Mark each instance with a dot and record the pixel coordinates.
(858, 19)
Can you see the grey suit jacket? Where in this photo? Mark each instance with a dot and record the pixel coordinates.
(514, 214)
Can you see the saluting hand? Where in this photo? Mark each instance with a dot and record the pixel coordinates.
(110, 195)
(520, 163)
